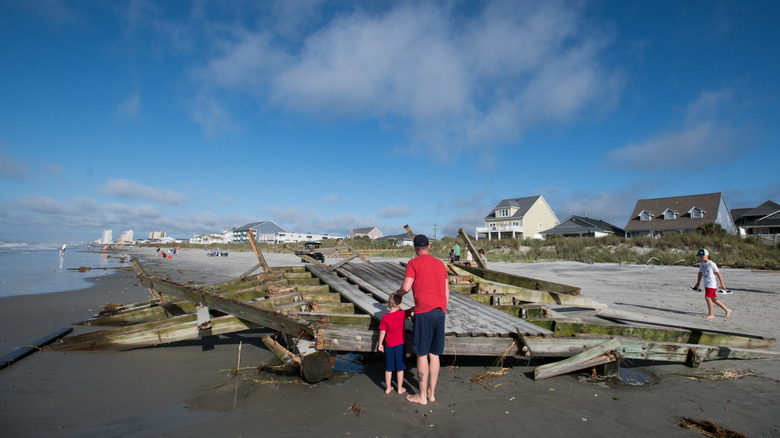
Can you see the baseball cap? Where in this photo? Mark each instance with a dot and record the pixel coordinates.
(702, 253)
(420, 241)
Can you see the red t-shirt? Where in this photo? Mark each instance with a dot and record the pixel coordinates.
(393, 324)
(430, 283)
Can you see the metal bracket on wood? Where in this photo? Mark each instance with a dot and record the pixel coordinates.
(522, 346)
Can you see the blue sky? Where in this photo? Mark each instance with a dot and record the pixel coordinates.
(194, 117)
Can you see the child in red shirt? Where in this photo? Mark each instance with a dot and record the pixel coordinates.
(391, 332)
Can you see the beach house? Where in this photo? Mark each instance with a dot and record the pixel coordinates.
(372, 232)
(679, 214)
(264, 231)
(518, 218)
(583, 226)
(763, 220)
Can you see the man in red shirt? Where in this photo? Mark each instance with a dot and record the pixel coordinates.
(426, 277)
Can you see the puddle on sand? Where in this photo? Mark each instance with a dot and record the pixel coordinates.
(349, 362)
(626, 377)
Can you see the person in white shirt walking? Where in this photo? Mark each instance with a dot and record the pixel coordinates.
(709, 272)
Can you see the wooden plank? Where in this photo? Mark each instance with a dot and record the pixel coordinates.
(470, 247)
(343, 262)
(521, 281)
(409, 232)
(360, 299)
(230, 306)
(259, 254)
(30, 348)
(137, 315)
(563, 328)
(597, 355)
(623, 316)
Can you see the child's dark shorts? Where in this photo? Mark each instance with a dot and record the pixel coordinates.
(429, 333)
(395, 358)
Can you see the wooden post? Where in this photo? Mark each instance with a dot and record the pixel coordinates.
(362, 257)
(472, 248)
(589, 358)
(257, 251)
(343, 262)
(409, 231)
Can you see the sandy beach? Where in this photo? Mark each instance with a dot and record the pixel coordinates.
(184, 389)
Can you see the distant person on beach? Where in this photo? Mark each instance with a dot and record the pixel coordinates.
(158, 250)
(391, 332)
(427, 277)
(62, 248)
(469, 257)
(482, 256)
(452, 255)
(709, 272)
(456, 248)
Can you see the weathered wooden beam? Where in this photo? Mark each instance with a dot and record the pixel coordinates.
(521, 281)
(366, 340)
(342, 320)
(251, 270)
(409, 231)
(32, 347)
(259, 254)
(363, 258)
(282, 353)
(591, 357)
(343, 262)
(230, 306)
(136, 315)
(470, 247)
(309, 259)
(564, 329)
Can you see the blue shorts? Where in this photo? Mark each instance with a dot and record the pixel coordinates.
(395, 358)
(429, 333)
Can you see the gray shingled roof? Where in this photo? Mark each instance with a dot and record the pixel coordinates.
(583, 225)
(522, 205)
(681, 205)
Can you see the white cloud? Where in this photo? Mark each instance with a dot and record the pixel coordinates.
(128, 189)
(130, 107)
(701, 139)
(331, 198)
(393, 211)
(459, 82)
(11, 169)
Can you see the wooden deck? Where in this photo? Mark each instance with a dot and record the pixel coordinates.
(320, 309)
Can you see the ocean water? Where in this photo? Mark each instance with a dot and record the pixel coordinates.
(27, 268)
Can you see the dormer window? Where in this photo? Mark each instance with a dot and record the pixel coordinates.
(696, 213)
(502, 212)
(670, 214)
(645, 216)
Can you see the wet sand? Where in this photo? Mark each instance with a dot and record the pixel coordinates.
(184, 389)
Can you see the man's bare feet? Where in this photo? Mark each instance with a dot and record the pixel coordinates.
(728, 313)
(401, 390)
(417, 398)
(709, 317)
(389, 390)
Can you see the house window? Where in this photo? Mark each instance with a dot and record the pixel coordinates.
(644, 216)
(540, 225)
(669, 215)
(515, 224)
(697, 213)
(503, 212)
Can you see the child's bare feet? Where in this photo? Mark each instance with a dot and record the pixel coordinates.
(389, 390)
(401, 390)
(728, 313)
(431, 396)
(417, 398)
(709, 317)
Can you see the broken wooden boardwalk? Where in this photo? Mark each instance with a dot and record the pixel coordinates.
(319, 309)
